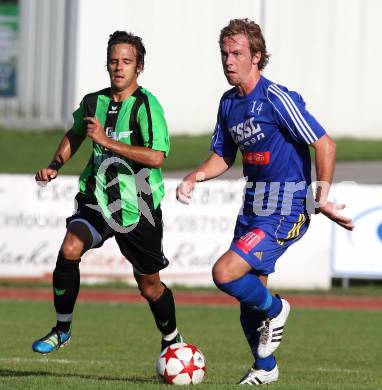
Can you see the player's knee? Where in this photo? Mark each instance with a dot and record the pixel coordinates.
(150, 291)
(221, 274)
(70, 250)
(76, 242)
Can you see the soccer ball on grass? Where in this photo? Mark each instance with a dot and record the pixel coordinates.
(181, 364)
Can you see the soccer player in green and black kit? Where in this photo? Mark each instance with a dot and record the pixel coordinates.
(120, 190)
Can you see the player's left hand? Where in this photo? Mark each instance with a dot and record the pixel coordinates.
(331, 210)
(95, 130)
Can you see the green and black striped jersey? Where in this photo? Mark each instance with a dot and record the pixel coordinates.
(119, 186)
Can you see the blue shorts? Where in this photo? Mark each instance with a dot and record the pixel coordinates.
(260, 241)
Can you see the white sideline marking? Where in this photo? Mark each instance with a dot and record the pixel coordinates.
(42, 360)
(335, 369)
(103, 362)
(330, 370)
(48, 360)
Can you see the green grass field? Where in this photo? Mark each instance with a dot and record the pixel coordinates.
(115, 346)
(26, 152)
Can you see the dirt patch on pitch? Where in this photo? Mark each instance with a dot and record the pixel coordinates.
(198, 298)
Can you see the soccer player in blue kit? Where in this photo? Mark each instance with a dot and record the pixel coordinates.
(273, 131)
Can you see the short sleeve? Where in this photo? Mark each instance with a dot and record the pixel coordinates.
(222, 143)
(153, 125)
(291, 112)
(79, 126)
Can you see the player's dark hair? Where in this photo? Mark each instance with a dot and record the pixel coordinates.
(133, 40)
(253, 33)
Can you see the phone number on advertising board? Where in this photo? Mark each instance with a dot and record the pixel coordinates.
(197, 224)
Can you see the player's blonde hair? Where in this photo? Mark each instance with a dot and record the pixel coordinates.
(253, 33)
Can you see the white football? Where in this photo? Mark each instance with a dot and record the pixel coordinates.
(181, 364)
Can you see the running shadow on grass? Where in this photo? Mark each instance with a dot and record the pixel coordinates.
(133, 379)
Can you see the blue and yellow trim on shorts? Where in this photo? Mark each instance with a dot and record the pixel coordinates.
(294, 232)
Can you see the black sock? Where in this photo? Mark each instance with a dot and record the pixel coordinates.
(66, 285)
(163, 310)
(64, 326)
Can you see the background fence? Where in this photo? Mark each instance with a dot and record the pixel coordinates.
(327, 50)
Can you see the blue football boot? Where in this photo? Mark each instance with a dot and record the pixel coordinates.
(55, 339)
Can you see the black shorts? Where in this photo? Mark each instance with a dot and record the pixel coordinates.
(141, 244)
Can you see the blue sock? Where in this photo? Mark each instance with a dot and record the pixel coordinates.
(249, 290)
(250, 321)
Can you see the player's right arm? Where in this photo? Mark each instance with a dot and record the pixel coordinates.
(65, 150)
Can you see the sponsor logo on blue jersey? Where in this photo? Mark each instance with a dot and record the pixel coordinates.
(247, 131)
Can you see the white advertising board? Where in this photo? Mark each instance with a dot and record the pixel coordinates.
(32, 222)
(358, 254)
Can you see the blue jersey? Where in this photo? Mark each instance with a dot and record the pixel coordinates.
(272, 129)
